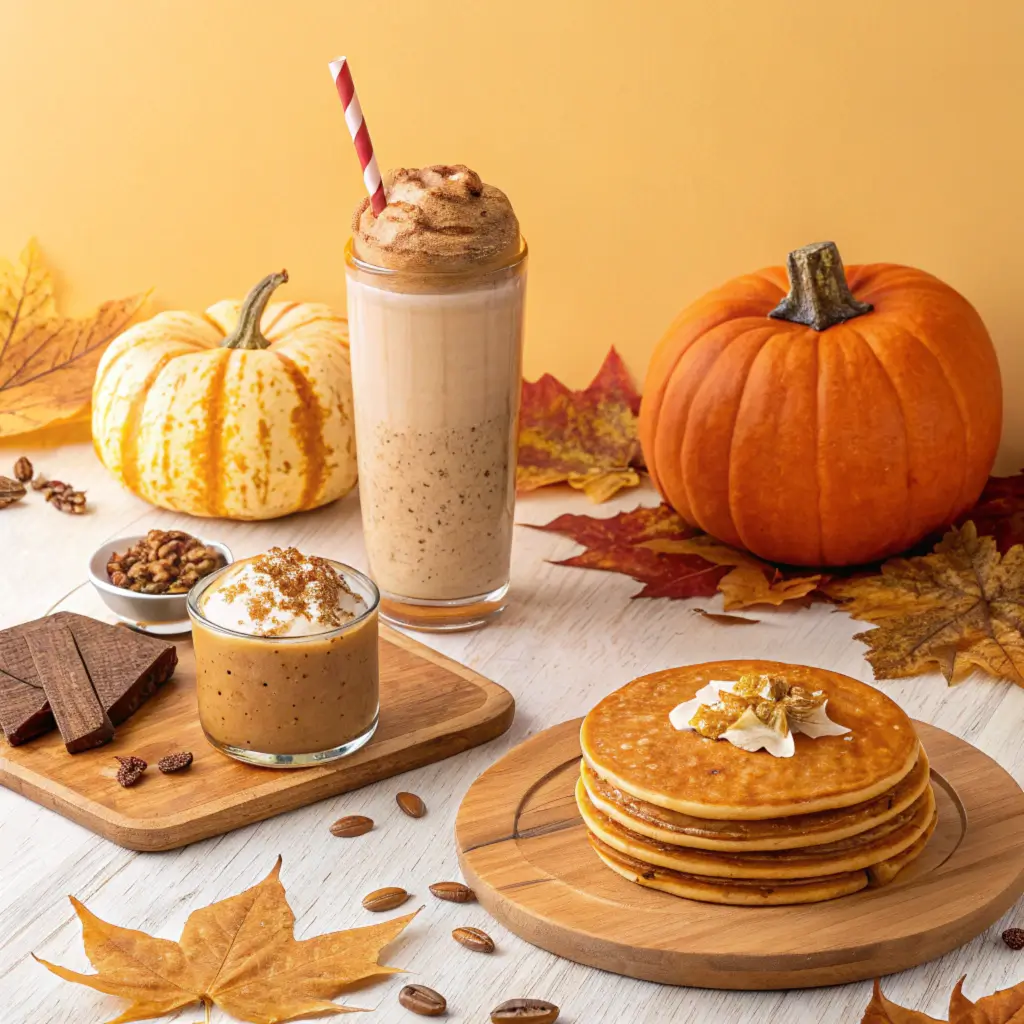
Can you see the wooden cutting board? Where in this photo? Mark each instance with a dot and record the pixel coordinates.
(431, 708)
(523, 848)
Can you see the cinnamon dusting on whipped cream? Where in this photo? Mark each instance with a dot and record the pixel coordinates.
(281, 593)
(437, 217)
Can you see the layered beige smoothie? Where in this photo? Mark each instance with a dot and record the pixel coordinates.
(286, 658)
(436, 288)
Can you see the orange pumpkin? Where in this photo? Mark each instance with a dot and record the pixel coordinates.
(838, 424)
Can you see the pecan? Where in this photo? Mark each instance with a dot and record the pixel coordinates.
(10, 491)
(72, 502)
(23, 470)
(163, 562)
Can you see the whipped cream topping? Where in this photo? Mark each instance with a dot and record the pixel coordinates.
(281, 593)
(769, 730)
(441, 216)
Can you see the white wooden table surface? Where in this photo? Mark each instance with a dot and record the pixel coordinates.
(569, 638)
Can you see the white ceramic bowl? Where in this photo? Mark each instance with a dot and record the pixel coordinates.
(154, 613)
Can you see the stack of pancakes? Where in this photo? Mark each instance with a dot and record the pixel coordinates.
(701, 818)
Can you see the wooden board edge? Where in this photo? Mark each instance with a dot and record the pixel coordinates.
(484, 723)
(867, 960)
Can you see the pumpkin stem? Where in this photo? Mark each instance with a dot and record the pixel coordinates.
(818, 293)
(247, 333)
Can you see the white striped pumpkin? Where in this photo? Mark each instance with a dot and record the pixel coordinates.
(244, 411)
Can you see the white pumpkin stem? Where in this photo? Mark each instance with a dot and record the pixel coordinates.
(818, 293)
(247, 333)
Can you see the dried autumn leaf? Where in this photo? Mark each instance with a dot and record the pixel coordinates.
(882, 1011)
(724, 619)
(1003, 1007)
(239, 954)
(619, 543)
(999, 512)
(48, 361)
(750, 581)
(587, 438)
(960, 607)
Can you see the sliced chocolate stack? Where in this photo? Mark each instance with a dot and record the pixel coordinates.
(76, 674)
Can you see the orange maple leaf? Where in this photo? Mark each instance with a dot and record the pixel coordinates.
(48, 361)
(240, 954)
(586, 438)
(1003, 1007)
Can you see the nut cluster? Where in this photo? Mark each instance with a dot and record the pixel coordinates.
(61, 496)
(165, 562)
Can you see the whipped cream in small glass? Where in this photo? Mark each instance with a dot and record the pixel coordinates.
(281, 593)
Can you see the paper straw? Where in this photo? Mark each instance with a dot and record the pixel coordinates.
(359, 132)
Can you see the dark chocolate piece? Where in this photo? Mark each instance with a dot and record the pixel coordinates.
(126, 667)
(24, 711)
(81, 719)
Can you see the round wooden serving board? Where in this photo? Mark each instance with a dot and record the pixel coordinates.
(523, 847)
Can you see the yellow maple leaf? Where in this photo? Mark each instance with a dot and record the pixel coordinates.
(961, 606)
(48, 361)
(239, 954)
(750, 582)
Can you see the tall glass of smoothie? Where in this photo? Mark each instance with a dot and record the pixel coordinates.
(436, 287)
(286, 658)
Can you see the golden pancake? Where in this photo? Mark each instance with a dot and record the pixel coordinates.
(736, 892)
(884, 873)
(793, 832)
(628, 740)
(749, 893)
(879, 844)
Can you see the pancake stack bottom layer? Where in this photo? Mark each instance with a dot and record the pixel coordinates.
(702, 819)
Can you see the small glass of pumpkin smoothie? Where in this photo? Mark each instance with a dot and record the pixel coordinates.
(286, 658)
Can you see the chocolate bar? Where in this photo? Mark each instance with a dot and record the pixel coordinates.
(24, 710)
(80, 717)
(126, 667)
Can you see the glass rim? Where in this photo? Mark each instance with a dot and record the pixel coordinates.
(510, 263)
(197, 591)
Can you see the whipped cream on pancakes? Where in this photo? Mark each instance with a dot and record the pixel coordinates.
(438, 217)
(282, 593)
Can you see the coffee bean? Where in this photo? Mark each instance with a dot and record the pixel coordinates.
(475, 939)
(453, 892)
(411, 804)
(424, 1001)
(526, 1011)
(351, 826)
(385, 899)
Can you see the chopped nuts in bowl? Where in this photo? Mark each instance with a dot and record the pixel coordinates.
(144, 580)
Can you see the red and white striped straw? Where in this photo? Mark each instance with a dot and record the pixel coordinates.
(359, 132)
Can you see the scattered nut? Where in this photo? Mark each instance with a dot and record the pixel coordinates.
(412, 804)
(453, 892)
(385, 899)
(164, 562)
(351, 826)
(175, 762)
(527, 1011)
(475, 939)
(1014, 938)
(422, 1000)
(23, 470)
(10, 491)
(131, 770)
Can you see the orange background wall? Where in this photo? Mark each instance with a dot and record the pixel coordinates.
(652, 148)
